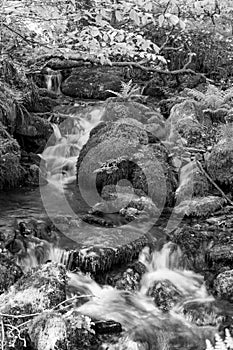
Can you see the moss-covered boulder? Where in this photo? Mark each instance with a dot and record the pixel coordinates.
(92, 82)
(10, 171)
(220, 256)
(39, 290)
(223, 285)
(124, 150)
(115, 110)
(220, 161)
(10, 272)
(184, 119)
(33, 132)
(199, 206)
(98, 259)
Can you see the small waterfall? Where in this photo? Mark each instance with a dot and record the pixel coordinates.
(53, 80)
(168, 265)
(70, 136)
(41, 252)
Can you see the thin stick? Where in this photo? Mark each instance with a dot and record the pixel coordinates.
(213, 183)
(20, 316)
(73, 298)
(3, 334)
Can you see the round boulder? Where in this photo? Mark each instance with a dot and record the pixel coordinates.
(125, 152)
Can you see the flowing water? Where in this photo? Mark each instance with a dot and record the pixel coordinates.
(135, 311)
(53, 80)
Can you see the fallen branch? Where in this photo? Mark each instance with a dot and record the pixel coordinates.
(29, 41)
(85, 60)
(213, 183)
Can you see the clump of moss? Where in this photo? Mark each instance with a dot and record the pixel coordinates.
(10, 170)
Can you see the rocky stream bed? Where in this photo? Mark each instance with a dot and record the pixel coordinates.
(116, 214)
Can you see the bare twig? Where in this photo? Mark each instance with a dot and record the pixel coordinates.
(18, 333)
(29, 41)
(19, 316)
(213, 183)
(72, 298)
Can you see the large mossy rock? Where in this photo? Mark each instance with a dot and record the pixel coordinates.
(10, 154)
(9, 272)
(39, 290)
(223, 285)
(220, 256)
(92, 82)
(33, 132)
(125, 151)
(184, 119)
(199, 206)
(116, 109)
(220, 162)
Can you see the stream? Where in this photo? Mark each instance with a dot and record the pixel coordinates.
(135, 311)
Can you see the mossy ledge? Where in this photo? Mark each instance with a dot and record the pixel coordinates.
(96, 260)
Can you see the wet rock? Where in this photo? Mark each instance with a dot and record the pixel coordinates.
(122, 207)
(98, 260)
(10, 170)
(130, 280)
(124, 151)
(192, 183)
(220, 255)
(223, 285)
(107, 327)
(127, 278)
(34, 176)
(9, 273)
(199, 206)
(184, 120)
(193, 242)
(219, 162)
(32, 133)
(165, 295)
(92, 82)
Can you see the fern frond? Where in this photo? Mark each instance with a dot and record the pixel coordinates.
(118, 94)
(126, 88)
(209, 346)
(128, 91)
(220, 344)
(228, 339)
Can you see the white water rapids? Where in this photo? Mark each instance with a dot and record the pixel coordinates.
(137, 312)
